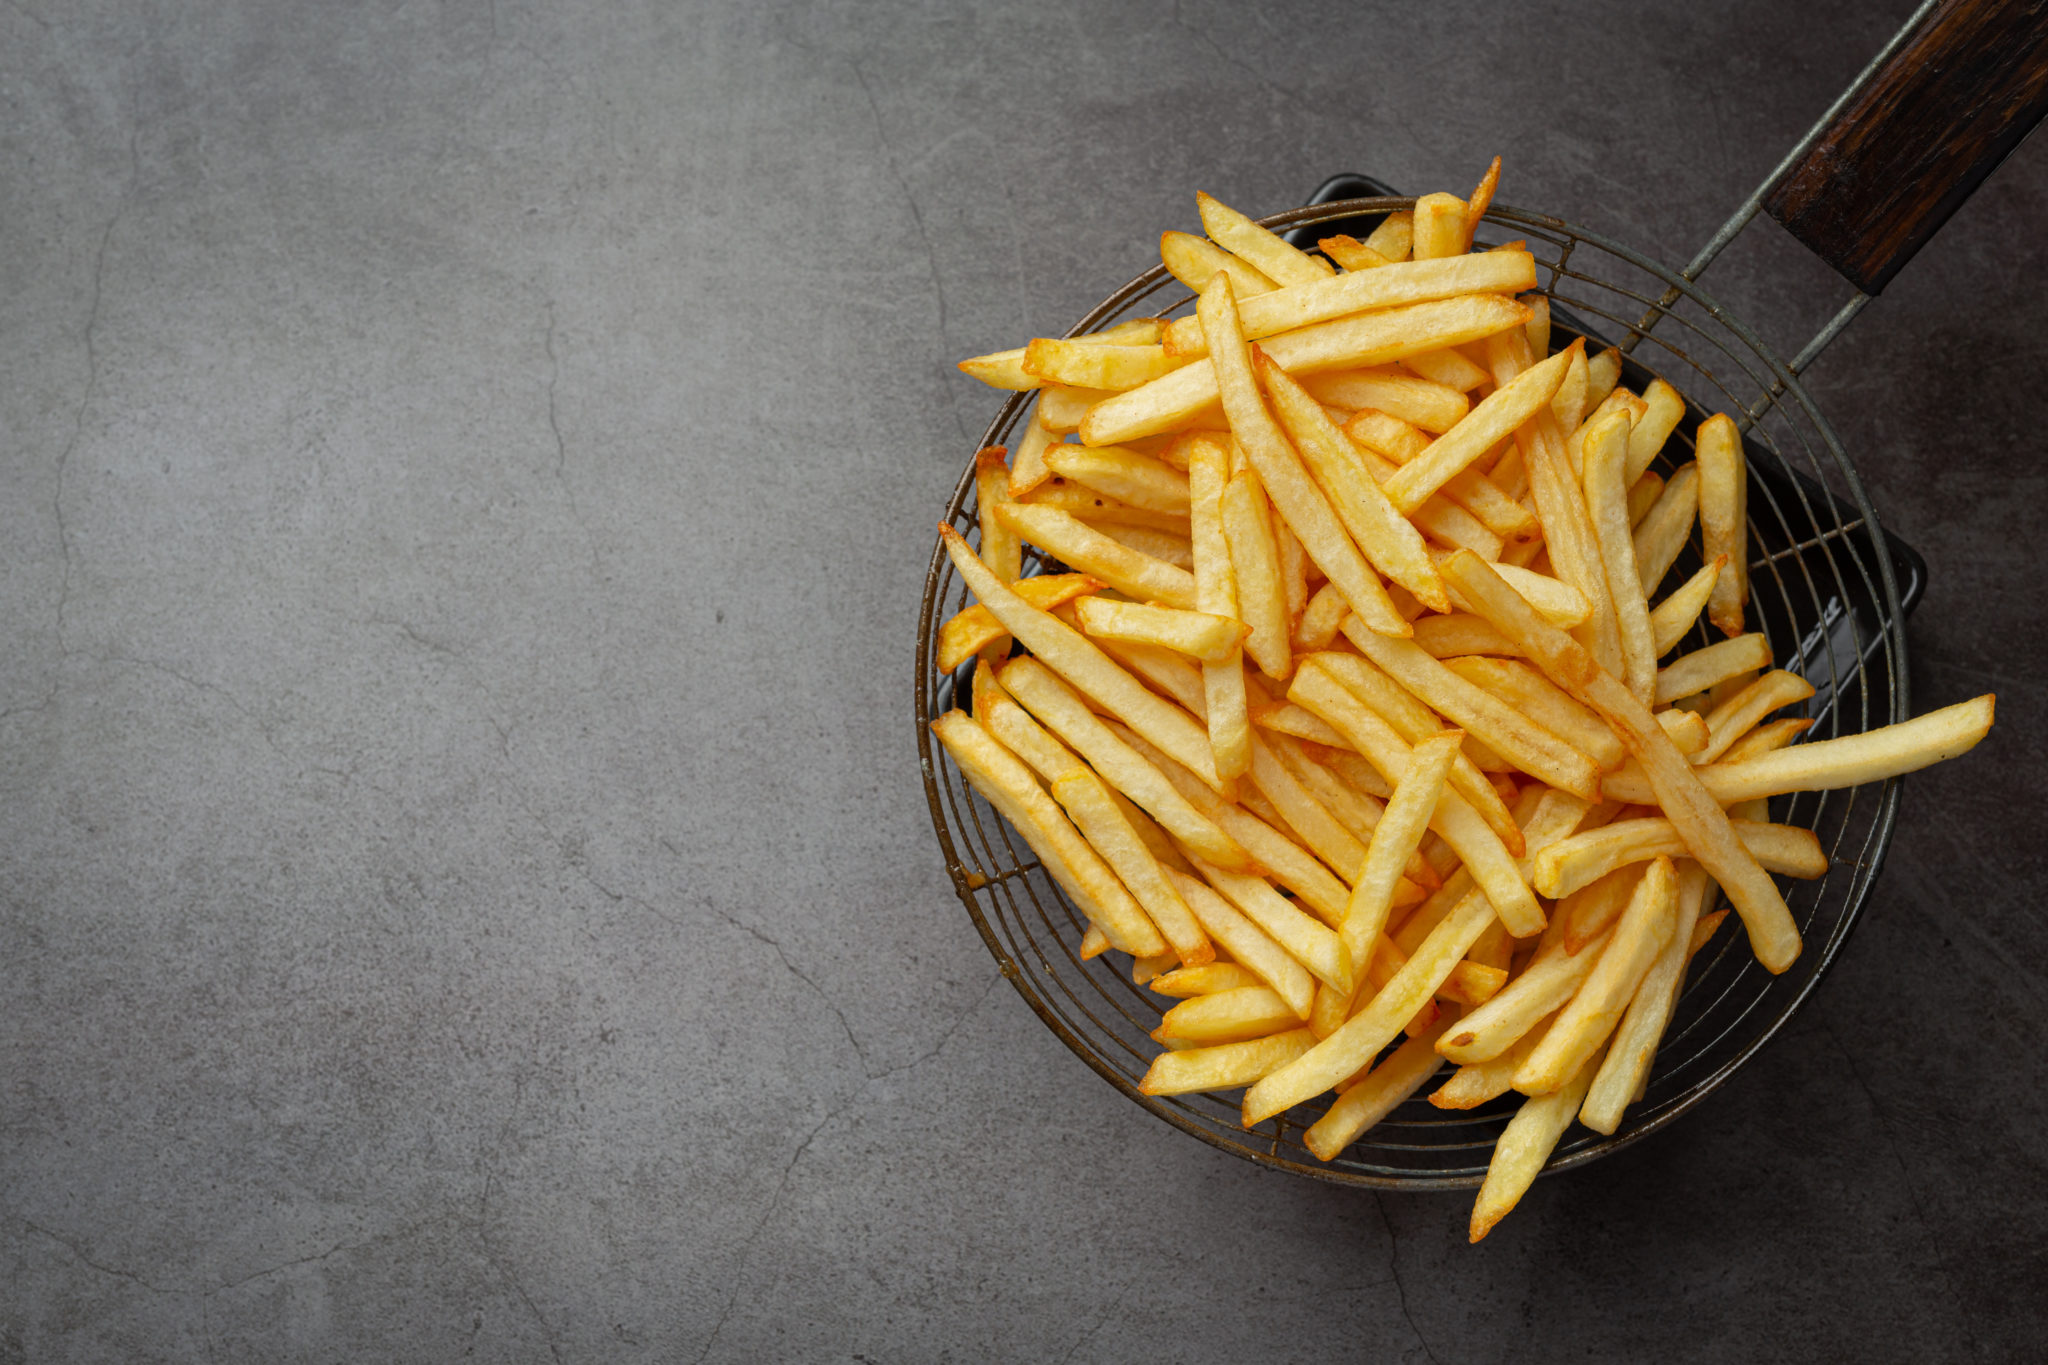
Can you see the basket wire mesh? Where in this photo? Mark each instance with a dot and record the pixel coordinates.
(1823, 590)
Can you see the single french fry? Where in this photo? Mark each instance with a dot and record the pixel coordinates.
(1543, 702)
(1378, 1095)
(1388, 539)
(1313, 945)
(1663, 530)
(1461, 633)
(1227, 1017)
(1355, 342)
(1168, 672)
(1687, 730)
(1082, 365)
(1009, 786)
(1692, 673)
(1592, 910)
(1493, 420)
(1163, 546)
(1082, 546)
(1514, 736)
(1272, 256)
(1121, 473)
(1538, 991)
(1692, 810)
(1395, 841)
(1475, 209)
(1255, 563)
(1227, 1066)
(974, 628)
(1321, 831)
(1662, 410)
(1734, 718)
(1767, 738)
(1603, 372)
(1061, 711)
(1634, 1045)
(1596, 1009)
(1085, 504)
(1000, 548)
(1724, 517)
(1581, 860)
(1642, 496)
(1394, 238)
(1185, 983)
(1672, 618)
(1246, 943)
(1439, 226)
(1524, 1146)
(1028, 469)
(1475, 1083)
(1607, 449)
(1094, 812)
(1062, 408)
(1557, 602)
(1213, 639)
(1287, 484)
(1319, 622)
(1192, 260)
(1408, 397)
(1439, 518)
(1351, 253)
(1224, 701)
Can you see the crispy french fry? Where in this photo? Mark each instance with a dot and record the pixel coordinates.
(1227, 1066)
(1319, 622)
(1395, 841)
(1767, 739)
(1672, 618)
(1351, 253)
(1447, 366)
(1696, 672)
(1539, 990)
(1268, 253)
(1121, 473)
(1192, 260)
(1737, 716)
(975, 628)
(1394, 238)
(1493, 420)
(1642, 496)
(1185, 983)
(1596, 1009)
(1590, 911)
(1000, 548)
(1663, 530)
(1224, 701)
(1082, 546)
(1378, 1095)
(1313, 945)
(1085, 504)
(1321, 831)
(1355, 342)
(1094, 812)
(1082, 365)
(1581, 860)
(1475, 1083)
(1523, 1147)
(1028, 469)
(1687, 730)
(1559, 603)
(1475, 209)
(1603, 372)
(1246, 943)
(1439, 226)
(1260, 577)
(1607, 449)
(1662, 410)
(1543, 702)
(1212, 639)
(1698, 819)
(1634, 1046)
(1163, 546)
(1408, 397)
(1227, 1017)
(1446, 637)
(1062, 408)
(1724, 517)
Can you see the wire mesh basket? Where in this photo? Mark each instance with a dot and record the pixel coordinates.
(1825, 590)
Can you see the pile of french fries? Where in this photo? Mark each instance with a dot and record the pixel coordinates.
(1353, 722)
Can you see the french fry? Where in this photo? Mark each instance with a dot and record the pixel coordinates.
(1008, 785)
(1351, 253)
(1590, 911)
(1734, 718)
(1319, 622)
(1698, 819)
(1395, 841)
(1543, 702)
(1581, 860)
(1607, 449)
(1227, 1017)
(1121, 473)
(1663, 530)
(1028, 469)
(1246, 943)
(1355, 342)
(1000, 548)
(1596, 1009)
(1642, 496)
(1089, 805)
(1378, 1095)
(1086, 366)
(1493, 420)
(1539, 990)
(1085, 504)
(1672, 618)
(1255, 564)
(1408, 397)
(1767, 739)
(1693, 673)
(1087, 549)
(1568, 404)
(1475, 1083)
(1439, 226)
(1724, 517)
(1272, 256)
(1061, 711)
(1394, 238)
(1062, 409)
(975, 628)
(1523, 1147)
(1388, 539)
(1461, 633)
(1227, 1066)
(1662, 409)
(1187, 982)
(1475, 209)
(1559, 603)
(1627, 1065)
(1164, 546)
(1321, 831)
(1313, 945)
(1192, 260)
(1224, 702)
(1447, 366)
(1603, 372)
(1212, 639)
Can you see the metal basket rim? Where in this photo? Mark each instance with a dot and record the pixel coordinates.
(1787, 388)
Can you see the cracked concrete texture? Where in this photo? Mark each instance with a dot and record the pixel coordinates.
(468, 470)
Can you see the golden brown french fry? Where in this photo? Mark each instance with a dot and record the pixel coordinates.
(1272, 256)
(1677, 613)
(1634, 1046)
(1062, 408)
(1081, 364)
(1606, 451)
(1319, 622)
(1540, 989)
(1664, 528)
(1595, 1010)
(1308, 942)
(1408, 397)
(1523, 1147)
(1698, 819)
(974, 628)
(1224, 701)
(1094, 812)
(1448, 366)
(1724, 517)
(1583, 859)
(1394, 238)
(1395, 840)
(1168, 673)
(1446, 637)
(1227, 1066)
(1047, 698)
(1121, 473)
(1084, 503)
(1522, 742)
(1247, 943)
(1475, 1083)
(1389, 541)
(1355, 342)
(1662, 410)
(1475, 209)
(1351, 253)
(1642, 496)
(1164, 546)
(1378, 1095)
(1287, 484)
(1767, 739)
(1212, 639)
(1492, 421)
(1559, 603)
(1227, 1017)
(1737, 716)
(1543, 702)
(1479, 845)
(1320, 830)
(1439, 226)
(1028, 469)
(1687, 730)
(1009, 786)
(1187, 982)
(1696, 672)
(1000, 548)
(1255, 564)
(1067, 538)
(1192, 260)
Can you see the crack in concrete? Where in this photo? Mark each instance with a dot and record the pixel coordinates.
(1100, 1319)
(79, 1253)
(1400, 1286)
(747, 1249)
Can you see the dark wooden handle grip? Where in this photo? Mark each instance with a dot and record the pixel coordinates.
(1930, 127)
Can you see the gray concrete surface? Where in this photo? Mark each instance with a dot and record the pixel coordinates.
(468, 469)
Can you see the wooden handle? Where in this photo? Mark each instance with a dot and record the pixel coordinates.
(1931, 125)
